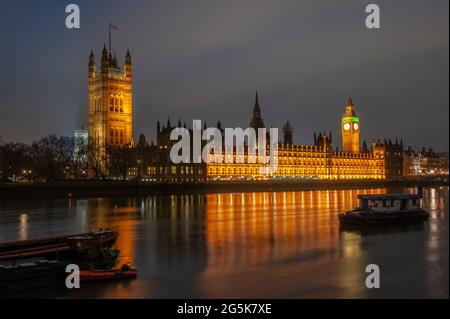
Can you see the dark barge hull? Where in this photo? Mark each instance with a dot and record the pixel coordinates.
(108, 236)
(15, 279)
(364, 218)
(53, 247)
(26, 265)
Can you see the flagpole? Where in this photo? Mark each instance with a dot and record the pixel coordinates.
(110, 37)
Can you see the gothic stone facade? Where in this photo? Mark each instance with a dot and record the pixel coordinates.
(317, 161)
(110, 103)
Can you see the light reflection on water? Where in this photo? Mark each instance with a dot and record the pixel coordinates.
(255, 245)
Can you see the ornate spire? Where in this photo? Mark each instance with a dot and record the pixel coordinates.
(128, 58)
(257, 121)
(350, 108)
(364, 147)
(350, 101)
(105, 60)
(115, 61)
(91, 59)
(104, 54)
(256, 106)
(288, 133)
(110, 58)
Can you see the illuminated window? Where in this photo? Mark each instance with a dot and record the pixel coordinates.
(116, 104)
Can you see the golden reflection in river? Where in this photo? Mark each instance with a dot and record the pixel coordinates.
(250, 245)
(263, 226)
(23, 226)
(436, 207)
(120, 216)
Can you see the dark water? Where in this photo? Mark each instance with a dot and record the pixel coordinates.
(247, 245)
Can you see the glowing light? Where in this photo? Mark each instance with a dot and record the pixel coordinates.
(354, 119)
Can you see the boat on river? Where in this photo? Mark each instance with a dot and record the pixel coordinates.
(385, 209)
(125, 272)
(42, 262)
(27, 274)
(56, 247)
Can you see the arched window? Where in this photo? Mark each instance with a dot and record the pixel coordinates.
(111, 136)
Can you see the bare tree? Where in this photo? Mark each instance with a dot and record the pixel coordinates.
(51, 157)
(97, 159)
(14, 160)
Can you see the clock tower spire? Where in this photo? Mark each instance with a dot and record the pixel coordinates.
(350, 128)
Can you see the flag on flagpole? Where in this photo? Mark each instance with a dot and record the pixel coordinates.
(113, 26)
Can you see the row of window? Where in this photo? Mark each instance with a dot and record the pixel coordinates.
(97, 104)
(115, 104)
(343, 164)
(117, 136)
(298, 160)
(174, 170)
(324, 155)
(301, 172)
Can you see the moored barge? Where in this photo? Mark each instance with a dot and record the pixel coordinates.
(55, 247)
(385, 209)
(42, 262)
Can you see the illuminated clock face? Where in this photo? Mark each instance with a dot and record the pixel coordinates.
(355, 126)
(346, 126)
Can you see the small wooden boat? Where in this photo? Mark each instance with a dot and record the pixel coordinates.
(387, 209)
(125, 272)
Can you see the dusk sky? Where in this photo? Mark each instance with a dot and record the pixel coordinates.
(204, 59)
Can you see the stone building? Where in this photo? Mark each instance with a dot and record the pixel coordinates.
(110, 101)
(317, 161)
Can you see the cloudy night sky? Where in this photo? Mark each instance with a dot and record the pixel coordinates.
(204, 59)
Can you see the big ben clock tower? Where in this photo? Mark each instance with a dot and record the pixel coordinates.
(350, 129)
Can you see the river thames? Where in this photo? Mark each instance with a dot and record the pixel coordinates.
(247, 245)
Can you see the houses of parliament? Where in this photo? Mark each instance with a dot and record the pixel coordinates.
(110, 126)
